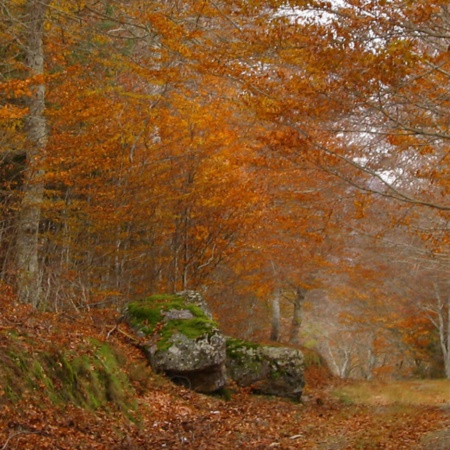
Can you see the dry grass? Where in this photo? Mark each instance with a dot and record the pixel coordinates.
(412, 392)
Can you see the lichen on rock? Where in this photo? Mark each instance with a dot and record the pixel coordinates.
(267, 369)
(185, 343)
(183, 340)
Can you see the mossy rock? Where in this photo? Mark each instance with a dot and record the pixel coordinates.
(183, 340)
(269, 370)
(238, 348)
(163, 316)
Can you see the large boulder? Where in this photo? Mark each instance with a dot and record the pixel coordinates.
(267, 369)
(183, 341)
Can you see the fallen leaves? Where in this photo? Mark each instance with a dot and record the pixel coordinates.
(168, 416)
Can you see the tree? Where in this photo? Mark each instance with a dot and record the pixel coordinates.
(167, 187)
(247, 149)
(28, 270)
(378, 119)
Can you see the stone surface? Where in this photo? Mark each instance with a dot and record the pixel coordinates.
(184, 342)
(195, 298)
(174, 314)
(269, 370)
(199, 363)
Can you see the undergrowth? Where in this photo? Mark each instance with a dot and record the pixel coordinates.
(89, 375)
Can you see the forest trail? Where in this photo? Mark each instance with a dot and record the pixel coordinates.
(40, 411)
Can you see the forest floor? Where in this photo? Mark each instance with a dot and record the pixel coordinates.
(159, 415)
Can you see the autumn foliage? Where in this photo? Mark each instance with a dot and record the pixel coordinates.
(251, 150)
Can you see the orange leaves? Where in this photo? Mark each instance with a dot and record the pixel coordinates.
(184, 135)
(12, 112)
(173, 33)
(150, 150)
(16, 90)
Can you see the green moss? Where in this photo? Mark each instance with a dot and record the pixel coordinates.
(277, 373)
(145, 315)
(238, 348)
(90, 377)
(15, 364)
(244, 354)
(224, 393)
(91, 380)
(191, 328)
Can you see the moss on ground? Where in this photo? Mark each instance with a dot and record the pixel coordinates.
(90, 377)
(148, 315)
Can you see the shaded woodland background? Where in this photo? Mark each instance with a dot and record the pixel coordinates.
(289, 160)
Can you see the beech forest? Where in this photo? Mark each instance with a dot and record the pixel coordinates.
(287, 159)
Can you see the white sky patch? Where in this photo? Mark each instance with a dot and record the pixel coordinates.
(335, 14)
(389, 176)
(297, 14)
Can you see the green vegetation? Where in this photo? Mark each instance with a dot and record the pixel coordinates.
(148, 316)
(90, 376)
(244, 353)
(238, 348)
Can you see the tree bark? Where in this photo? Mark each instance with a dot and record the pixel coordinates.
(439, 316)
(28, 271)
(297, 316)
(276, 317)
(447, 354)
(444, 328)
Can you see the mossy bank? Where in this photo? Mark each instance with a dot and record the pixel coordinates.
(89, 374)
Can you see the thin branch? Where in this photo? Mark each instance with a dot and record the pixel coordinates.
(18, 434)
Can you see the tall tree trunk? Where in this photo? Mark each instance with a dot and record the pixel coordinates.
(276, 317)
(440, 318)
(447, 354)
(28, 273)
(297, 316)
(444, 330)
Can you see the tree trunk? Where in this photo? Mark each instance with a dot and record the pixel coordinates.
(445, 335)
(276, 317)
(28, 273)
(447, 359)
(440, 318)
(297, 316)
